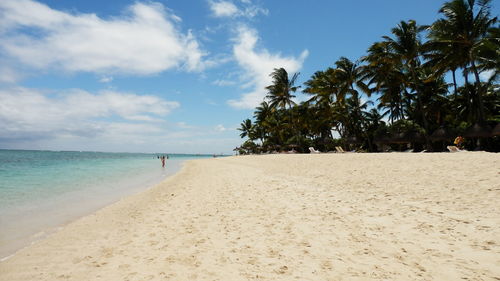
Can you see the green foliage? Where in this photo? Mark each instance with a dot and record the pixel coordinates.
(406, 71)
(405, 126)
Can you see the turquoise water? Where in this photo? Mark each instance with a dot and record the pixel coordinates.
(41, 190)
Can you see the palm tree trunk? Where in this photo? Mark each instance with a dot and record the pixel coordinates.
(478, 92)
(470, 113)
(420, 108)
(454, 83)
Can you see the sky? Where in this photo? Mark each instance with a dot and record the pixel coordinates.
(167, 76)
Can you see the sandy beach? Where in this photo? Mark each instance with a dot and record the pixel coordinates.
(387, 216)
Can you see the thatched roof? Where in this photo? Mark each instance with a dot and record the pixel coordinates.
(416, 137)
(382, 140)
(441, 134)
(496, 130)
(478, 131)
(399, 138)
(353, 140)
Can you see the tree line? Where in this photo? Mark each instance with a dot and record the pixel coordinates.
(405, 72)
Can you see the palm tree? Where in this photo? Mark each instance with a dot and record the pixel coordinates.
(489, 54)
(262, 114)
(441, 53)
(406, 47)
(464, 27)
(323, 87)
(279, 92)
(385, 71)
(434, 91)
(347, 75)
(372, 121)
(246, 128)
(407, 73)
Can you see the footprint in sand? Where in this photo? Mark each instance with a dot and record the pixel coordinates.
(282, 270)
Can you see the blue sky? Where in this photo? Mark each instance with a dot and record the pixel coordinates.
(167, 76)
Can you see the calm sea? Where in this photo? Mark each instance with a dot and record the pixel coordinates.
(42, 190)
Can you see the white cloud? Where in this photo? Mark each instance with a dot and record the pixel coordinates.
(106, 79)
(222, 82)
(184, 125)
(257, 65)
(224, 9)
(253, 11)
(27, 113)
(105, 121)
(144, 40)
(220, 128)
(486, 75)
(8, 75)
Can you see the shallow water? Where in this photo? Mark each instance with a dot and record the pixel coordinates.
(41, 190)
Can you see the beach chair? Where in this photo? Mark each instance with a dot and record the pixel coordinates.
(339, 149)
(312, 150)
(453, 148)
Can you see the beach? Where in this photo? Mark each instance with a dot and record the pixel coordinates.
(40, 191)
(350, 216)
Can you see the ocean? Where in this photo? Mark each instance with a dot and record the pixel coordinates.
(43, 190)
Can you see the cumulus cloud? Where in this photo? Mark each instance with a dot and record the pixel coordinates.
(222, 82)
(257, 65)
(106, 79)
(220, 128)
(8, 75)
(222, 9)
(144, 40)
(27, 113)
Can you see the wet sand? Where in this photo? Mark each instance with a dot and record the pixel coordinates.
(390, 216)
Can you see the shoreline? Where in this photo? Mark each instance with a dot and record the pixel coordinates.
(282, 217)
(85, 209)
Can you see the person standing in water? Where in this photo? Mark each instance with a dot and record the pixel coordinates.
(163, 161)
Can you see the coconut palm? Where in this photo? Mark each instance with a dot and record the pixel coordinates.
(464, 27)
(406, 72)
(406, 47)
(280, 94)
(489, 54)
(280, 91)
(384, 70)
(246, 128)
(348, 74)
(322, 87)
(262, 112)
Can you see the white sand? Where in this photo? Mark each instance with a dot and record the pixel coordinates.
(393, 216)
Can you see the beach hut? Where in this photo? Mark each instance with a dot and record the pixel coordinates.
(441, 134)
(496, 130)
(382, 142)
(353, 140)
(478, 131)
(416, 137)
(293, 148)
(399, 138)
